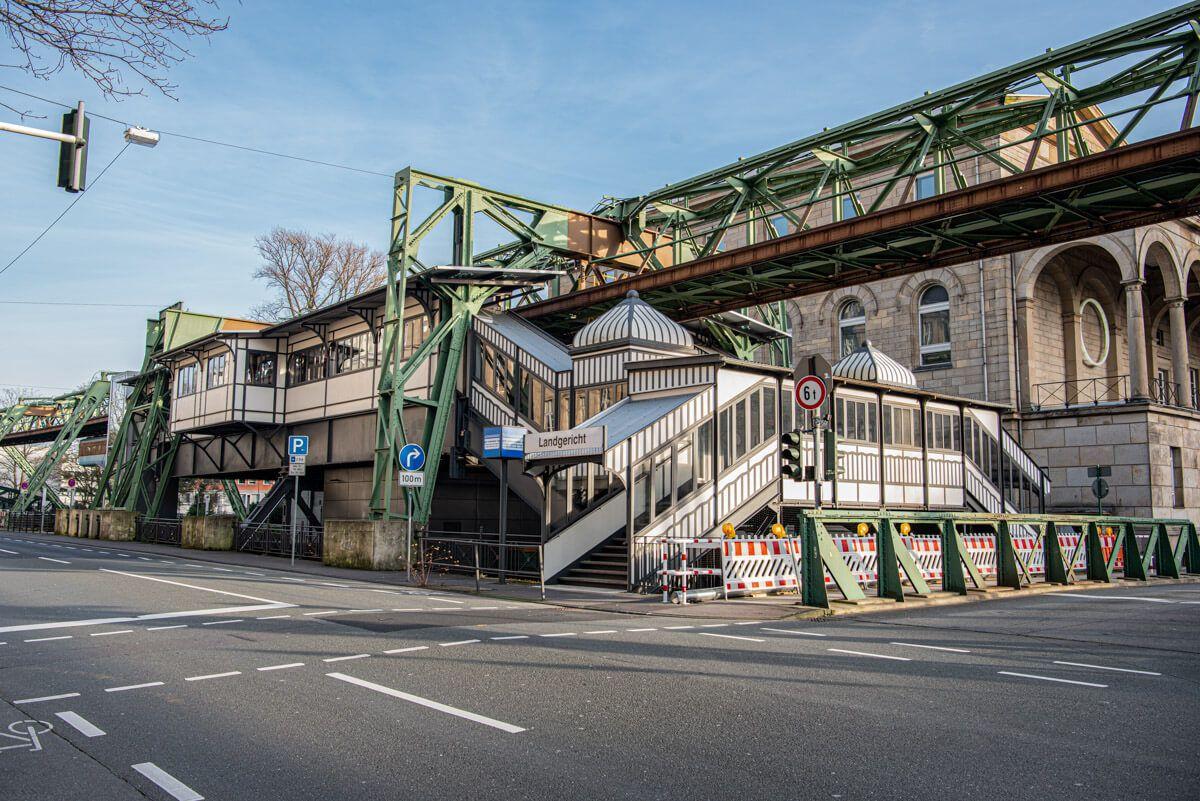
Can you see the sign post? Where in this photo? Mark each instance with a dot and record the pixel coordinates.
(811, 393)
(297, 462)
(503, 443)
(411, 476)
(1099, 485)
(71, 485)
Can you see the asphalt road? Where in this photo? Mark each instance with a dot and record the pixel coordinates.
(128, 675)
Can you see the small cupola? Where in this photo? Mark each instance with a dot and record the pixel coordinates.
(868, 363)
(633, 321)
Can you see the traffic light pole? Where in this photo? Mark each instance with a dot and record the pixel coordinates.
(72, 160)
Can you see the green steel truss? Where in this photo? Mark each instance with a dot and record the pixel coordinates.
(453, 284)
(89, 404)
(1084, 100)
(141, 453)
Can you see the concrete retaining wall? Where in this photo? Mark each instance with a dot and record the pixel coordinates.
(365, 544)
(209, 533)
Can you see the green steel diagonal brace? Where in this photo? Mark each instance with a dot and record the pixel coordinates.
(955, 557)
(1058, 570)
(1135, 567)
(1187, 549)
(1165, 563)
(1098, 568)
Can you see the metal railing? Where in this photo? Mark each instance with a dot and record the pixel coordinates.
(30, 522)
(275, 539)
(1081, 392)
(481, 555)
(161, 530)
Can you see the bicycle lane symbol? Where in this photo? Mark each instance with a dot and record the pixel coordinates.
(26, 732)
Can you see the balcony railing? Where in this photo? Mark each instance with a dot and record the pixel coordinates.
(1081, 392)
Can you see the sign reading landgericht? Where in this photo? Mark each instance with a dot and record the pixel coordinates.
(574, 442)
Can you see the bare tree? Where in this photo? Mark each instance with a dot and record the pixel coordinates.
(307, 272)
(115, 43)
(10, 456)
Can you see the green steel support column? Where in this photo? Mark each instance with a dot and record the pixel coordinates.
(1098, 568)
(887, 579)
(953, 579)
(167, 465)
(1057, 571)
(1187, 549)
(1117, 551)
(1007, 573)
(235, 498)
(1164, 557)
(821, 554)
(28, 468)
(88, 406)
(1135, 568)
(812, 585)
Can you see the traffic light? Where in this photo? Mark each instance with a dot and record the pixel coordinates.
(72, 157)
(791, 455)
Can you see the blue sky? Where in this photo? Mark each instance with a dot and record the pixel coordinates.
(564, 102)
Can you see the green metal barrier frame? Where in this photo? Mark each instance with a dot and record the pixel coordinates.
(821, 554)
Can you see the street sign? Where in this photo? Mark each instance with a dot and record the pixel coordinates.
(296, 468)
(575, 443)
(24, 485)
(810, 392)
(504, 442)
(412, 459)
(411, 478)
(1099, 471)
(297, 459)
(71, 483)
(1100, 488)
(298, 445)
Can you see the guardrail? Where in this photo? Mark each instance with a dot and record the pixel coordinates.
(483, 555)
(1081, 392)
(275, 539)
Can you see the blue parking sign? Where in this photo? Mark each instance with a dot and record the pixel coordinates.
(298, 445)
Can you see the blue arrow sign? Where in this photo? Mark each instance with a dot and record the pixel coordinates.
(412, 457)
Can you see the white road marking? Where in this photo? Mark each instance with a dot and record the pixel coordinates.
(1106, 667)
(444, 609)
(272, 617)
(457, 642)
(1049, 678)
(933, 647)
(602, 631)
(560, 634)
(145, 559)
(866, 653)
(48, 639)
(326, 612)
(281, 667)
(677, 628)
(1072, 595)
(252, 573)
(482, 608)
(178, 790)
(46, 698)
(425, 702)
(214, 676)
(406, 650)
(289, 578)
(331, 584)
(125, 555)
(80, 724)
(164, 628)
(189, 564)
(133, 687)
(196, 587)
(222, 622)
(641, 629)
(446, 600)
(221, 569)
(109, 633)
(729, 636)
(713, 625)
(48, 559)
(797, 633)
(345, 658)
(362, 611)
(14, 553)
(410, 609)
(511, 637)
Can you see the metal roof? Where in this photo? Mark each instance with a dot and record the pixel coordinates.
(527, 337)
(629, 416)
(868, 363)
(633, 320)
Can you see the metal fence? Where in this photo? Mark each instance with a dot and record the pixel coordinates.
(275, 539)
(481, 555)
(162, 530)
(1081, 392)
(30, 521)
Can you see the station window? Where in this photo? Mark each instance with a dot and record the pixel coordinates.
(852, 326)
(260, 369)
(306, 366)
(704, 454)
(685, 469)
(934, 313)
(641, 495)
(780, 225)
(590, 402)
(900, 426)
(739, 429)
(537, 402)
(663, 488)
(217, 374)
(355, 352)
(849, 207)
(856, 420)
(755, 419)
(941, 430)
(185, 381)
(926, 185)
(725, 444)
(494, 370)
(416, 331)
(770, 397)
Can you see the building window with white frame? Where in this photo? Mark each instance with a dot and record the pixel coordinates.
(185, 380)
(852, 327)
(926, 185)
(933, 311)
(218, 373)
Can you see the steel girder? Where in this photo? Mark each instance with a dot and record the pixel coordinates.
(92, 401)
(537, 243)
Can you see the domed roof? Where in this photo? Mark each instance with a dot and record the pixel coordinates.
(633, 321)
(868, 363)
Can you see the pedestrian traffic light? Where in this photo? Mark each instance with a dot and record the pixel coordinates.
(72, 157)
(791, 456)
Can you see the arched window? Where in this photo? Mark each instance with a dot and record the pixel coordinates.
(934, 313)
(852, 326)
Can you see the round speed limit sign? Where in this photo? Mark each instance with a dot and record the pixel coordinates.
(810, 392)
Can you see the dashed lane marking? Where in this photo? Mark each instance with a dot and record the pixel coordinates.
(729, 636)
(345, 658)
(1049, 678)
(677, 628)
(362, 611)
(641, 629)
(425, 702)
(272, 617)
(287, 666)
(511, 637)
(933, 647)
(40, 699)
(59, 561)
(214, 676)
(164, 628)
(326, 612)
(48, 639)
(868, 653)
(408, 649)
(222, 622)
(713, 625)
(1106, 667)
(601, 631)
(110, 633)
(177, 789)
(457, 642)
(5, 550)
(798, 633)
(133, 687)
(80, 724)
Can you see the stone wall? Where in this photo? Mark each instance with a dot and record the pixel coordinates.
(208, 533)
(365, 544)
